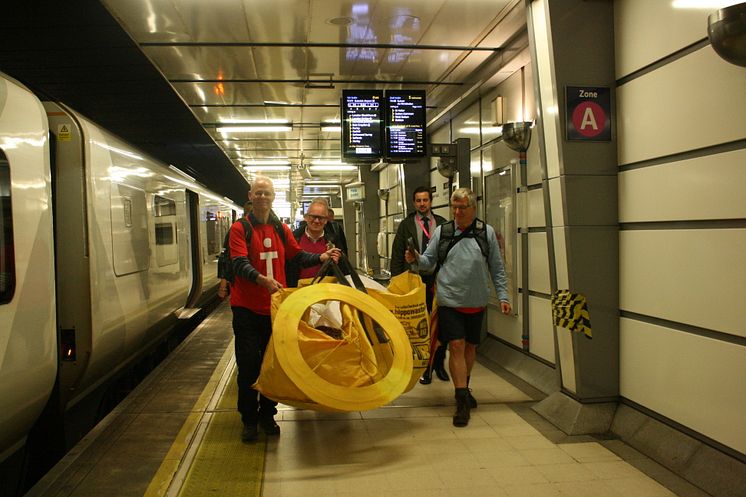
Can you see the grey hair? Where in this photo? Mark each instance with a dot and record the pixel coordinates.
(464, 194)
(319, 201)
(263, 179)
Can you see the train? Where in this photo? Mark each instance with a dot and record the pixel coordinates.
(103, 250)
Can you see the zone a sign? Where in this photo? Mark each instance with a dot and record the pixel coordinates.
(588, 113)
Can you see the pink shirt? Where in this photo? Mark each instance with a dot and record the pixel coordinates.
(317, 247)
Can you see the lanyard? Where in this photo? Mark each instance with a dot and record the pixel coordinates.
(419, 221)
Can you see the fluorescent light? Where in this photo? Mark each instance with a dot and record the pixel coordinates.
(328, 162)
(254, 125)
(253, 129)
(702, 4)
(331, 125)
(321, 182)
(338, 167)
(474, 130)
(267, 162)
(255, 121)
(267, 168)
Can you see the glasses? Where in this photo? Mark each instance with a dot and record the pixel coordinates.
(460, 207)
(262, 193)
(318, 219)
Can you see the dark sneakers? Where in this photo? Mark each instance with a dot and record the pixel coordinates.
(249, 433)
(427, 377)
(269, 426)
(439, 363)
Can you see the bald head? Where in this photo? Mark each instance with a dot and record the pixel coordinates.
(262, 195)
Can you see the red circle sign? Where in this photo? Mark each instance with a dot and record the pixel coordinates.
(589, 119)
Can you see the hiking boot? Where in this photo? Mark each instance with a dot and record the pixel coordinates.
(472, 401)
(427, 377)
(462, 415)
(249, 433)
(269, 426)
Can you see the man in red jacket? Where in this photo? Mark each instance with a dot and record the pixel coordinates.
(259, 268)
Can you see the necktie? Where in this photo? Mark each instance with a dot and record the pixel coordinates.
(425, 239)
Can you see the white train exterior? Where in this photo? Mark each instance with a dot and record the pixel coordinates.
(104, 249)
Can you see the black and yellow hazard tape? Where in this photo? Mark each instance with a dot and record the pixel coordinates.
(570, 310)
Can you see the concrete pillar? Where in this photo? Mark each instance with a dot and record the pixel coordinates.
(572, 44)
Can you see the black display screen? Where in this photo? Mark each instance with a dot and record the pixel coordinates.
(362, 124)
(405, 124)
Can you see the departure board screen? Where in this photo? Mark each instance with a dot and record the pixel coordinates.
(405, 124)
(362, 124)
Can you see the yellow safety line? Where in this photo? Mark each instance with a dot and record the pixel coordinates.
(161, 482)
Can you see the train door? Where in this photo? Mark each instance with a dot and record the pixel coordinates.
(192, 202)
(71, 247)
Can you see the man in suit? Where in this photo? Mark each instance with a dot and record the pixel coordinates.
(419, 226)
(335, 227)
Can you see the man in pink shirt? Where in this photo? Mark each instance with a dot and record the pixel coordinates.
(313, 238)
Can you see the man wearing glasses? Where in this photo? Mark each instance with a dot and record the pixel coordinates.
(259, 267)
(313, 238)
(469, 260)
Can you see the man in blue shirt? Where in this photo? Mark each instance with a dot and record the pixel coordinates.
(419, 226)
(462, 289)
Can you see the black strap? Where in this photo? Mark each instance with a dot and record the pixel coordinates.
(330, 266)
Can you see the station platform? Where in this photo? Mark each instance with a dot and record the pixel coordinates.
(178, 434)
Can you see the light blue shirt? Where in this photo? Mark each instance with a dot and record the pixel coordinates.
(464, 277)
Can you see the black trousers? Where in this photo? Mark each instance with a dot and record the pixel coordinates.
(252, 332)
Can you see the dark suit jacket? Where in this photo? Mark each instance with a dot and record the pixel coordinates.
(407, 228)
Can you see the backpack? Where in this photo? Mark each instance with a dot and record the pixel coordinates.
(477, 231)
(225, 263)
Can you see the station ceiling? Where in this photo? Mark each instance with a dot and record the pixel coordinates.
(166, 74)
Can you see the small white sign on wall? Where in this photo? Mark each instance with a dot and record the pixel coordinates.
(355, 192)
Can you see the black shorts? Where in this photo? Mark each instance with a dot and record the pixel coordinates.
(455, 325)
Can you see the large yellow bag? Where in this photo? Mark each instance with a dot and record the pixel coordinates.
(406, 301)
(361, 369)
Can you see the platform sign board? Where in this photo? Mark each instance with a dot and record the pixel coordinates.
(588, 113)
(362, 124)
(405, 124)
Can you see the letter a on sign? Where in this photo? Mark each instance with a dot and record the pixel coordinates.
(588, 120)
(588, 113)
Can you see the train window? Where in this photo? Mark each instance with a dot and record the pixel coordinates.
(166, 249)
(163, 206)
(212, 230)
(7, 250)
(164, 234)
(129, 229)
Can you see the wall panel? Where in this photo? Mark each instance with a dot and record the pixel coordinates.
(538, 263)
(675, 109)
(642, 39)
(507, 328)
(535, 215)
(710, 187)
(695, 277)
(541, 338)
(693, 380)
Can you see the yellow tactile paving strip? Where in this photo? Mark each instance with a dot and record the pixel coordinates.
(208, 457)
(224, 466)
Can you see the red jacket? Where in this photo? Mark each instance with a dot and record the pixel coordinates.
(267, 255)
